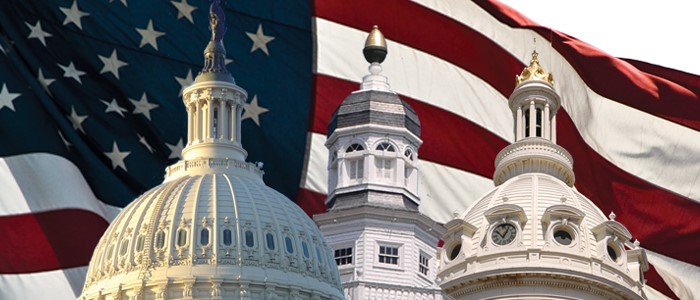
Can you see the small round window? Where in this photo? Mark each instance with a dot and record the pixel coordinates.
(455, 251)
(562, 237)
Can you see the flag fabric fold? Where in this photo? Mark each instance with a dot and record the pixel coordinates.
(90, 116)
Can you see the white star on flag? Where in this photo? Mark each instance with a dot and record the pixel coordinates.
(38, 33)
(184, 82)
(117, 157)
(45, 82)
(114, 107)
(184, 9)
(142, 106)
(70, 71)
(149, 35)
(73, 15)
(112, 64)
(260, 40)
(175, 150)
(253, 110)
(6, 98)
(143, 141)
(77, 120)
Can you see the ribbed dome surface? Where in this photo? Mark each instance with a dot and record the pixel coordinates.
(224, 233)
(534, 192)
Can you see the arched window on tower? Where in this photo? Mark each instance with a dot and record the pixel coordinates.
(215, 123)
(384, 164)
(355, 164)
(229, 117)
(385, 147)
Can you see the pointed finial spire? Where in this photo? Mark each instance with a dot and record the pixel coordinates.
(534, 72)
(375, 46)
(215, 53)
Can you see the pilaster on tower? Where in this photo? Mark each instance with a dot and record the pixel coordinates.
(214, 102)
(534, 103)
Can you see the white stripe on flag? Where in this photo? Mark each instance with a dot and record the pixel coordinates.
(39, 182)
(682, 278)
(50, 285)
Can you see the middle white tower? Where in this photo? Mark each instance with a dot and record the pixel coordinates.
(384, 248)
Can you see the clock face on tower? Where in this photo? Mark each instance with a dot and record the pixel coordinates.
(504, 234)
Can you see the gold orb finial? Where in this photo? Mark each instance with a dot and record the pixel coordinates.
(534, 72)
(375, 50)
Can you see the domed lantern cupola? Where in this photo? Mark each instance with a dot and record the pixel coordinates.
(534, 103)
(373, 139)
(214, 102)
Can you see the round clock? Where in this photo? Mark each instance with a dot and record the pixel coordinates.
(504, 234)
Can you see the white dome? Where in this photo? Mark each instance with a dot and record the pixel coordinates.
(557, 233)
(221, 233)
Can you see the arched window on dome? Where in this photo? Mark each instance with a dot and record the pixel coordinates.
(139, 242)
(289, 245)
(270, 241)
(181, 237)
(204, 237)
(305, 249)
(249, 239)
(110, 251)
(124, 248)
(160, 239)
(227, 237)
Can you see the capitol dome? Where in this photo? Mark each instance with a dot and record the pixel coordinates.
(213, 229)
(534, 236)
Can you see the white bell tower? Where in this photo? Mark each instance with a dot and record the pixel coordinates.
(384, 247)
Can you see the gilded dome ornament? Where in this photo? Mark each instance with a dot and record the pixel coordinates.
(534, 72)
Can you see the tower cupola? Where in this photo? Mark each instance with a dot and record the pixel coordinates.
(534, 104)
(373, 139)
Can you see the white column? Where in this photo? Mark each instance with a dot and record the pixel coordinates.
(198, 121)
(221, 125)
(189, 123)
(210, 118)
(231, 112)
(239, 113)
(554, 129)
(533, 118)
(545, 121)
(519, 124)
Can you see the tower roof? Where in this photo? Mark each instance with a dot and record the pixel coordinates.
(534, 72)
(374, 103)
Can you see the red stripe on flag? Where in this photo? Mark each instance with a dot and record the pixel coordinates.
(49, 240)
(311, 202)
(654, 280)
(615, 79)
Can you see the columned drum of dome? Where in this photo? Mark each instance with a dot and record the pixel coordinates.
(534, 236)
(213, 229)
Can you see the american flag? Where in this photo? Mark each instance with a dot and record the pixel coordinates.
(90, 116)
